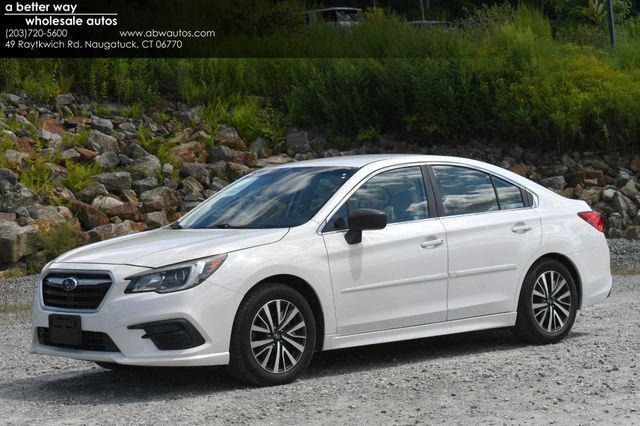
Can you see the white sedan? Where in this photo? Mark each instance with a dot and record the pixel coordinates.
(328, 254)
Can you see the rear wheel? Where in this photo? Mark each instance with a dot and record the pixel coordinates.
(548, 303)
(274, 336)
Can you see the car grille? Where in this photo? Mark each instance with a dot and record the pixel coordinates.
(91, 341)
(91, 289)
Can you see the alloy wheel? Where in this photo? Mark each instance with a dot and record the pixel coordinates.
(551, 301)
(278, 336)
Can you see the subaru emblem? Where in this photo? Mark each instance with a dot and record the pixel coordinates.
(69, 284)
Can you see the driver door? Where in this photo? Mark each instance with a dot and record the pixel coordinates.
(397, 276)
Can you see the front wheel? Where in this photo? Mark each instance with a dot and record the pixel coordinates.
(548, 303)
(273, 337)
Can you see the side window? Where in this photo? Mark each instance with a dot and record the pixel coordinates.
(399, 193)
(509, 195)
(464, 190)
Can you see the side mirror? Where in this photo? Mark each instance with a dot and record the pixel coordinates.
(363, 220)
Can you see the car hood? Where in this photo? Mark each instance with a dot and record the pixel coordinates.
(167, 246)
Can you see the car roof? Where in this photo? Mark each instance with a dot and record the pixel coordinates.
(360, 161)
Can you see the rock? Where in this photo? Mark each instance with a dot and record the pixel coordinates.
(632, 233)
(607, 195)
(298, 143)
(199, 136)
(89, 216)
(16, 196)
(101, 142)
(630, 189)
(70, 154)
(115, 181)
(190, 116)
(13, 99)
(197, 170)
(112, 230)
(180, 137)
(167, 170)
(127, 127)
(217, 184)
(278, 159)
(635, 164)
(9, 176)
(86, 154)
(221, 153)
(593, 174)
(167, 198)
(219, 168)
(125, 211)
(60, 193)
(145, 184)
(16, 241)
(136, 152)
(50, 214)
(76, 121)
(247, 158)
(129, 196)
(51, 125)
(555, 182)
(106, 202)
(192, 152)
(16, 160)
(229, 136)
(575, 177)
(156, 219)
(260, 148)
(88, 193)
(10, 216)
(192, 183)
(25, 144)
(147, 166)
(107, 161)
(101, 124)
(238, 170)
(64, 99)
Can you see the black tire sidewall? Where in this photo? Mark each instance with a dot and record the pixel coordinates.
(242, 331)
(525, 312)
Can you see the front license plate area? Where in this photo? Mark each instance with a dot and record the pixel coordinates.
(65, 330)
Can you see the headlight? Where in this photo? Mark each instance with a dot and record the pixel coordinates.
(175, 277)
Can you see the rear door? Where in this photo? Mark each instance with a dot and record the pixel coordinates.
(492, 233)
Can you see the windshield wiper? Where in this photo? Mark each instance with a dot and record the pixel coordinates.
(225, 226)
(175, 225)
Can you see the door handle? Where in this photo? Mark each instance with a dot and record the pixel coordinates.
(432, 243)
(521, 228)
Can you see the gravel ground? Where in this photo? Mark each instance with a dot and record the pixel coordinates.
(483, 377)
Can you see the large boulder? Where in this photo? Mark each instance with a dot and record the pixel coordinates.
(147, 166)
(192, 152)
(145, 184)
(156, 219)
(16, 241)
(64, 99)
(115, 181)
(199, 171)
(16, 160)
(107, 160)
(106, 202)
(112, 230)
(555, 182)
(125, 211)
(14, 196)
(229, 136)
(298, 143)
(101, 142)
(221, 153)
(165, 197)
(101, 124)
(89, 216)
(88, 193)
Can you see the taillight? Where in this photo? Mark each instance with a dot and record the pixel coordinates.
(594, 219)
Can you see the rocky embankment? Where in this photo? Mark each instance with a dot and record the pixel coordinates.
(99, 173)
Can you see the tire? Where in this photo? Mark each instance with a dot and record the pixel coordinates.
(543, 320)
(116, 367)
(257, 340)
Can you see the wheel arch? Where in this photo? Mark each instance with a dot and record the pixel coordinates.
(307, 291)
(568, 264)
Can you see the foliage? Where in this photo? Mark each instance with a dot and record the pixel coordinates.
(253, 120)
(79, 175)
(38, 176)
(58, 240)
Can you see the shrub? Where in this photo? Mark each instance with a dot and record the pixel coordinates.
(58, 240)
(38, 176)
(79, 175)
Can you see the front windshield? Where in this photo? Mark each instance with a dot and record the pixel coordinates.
(270, 198)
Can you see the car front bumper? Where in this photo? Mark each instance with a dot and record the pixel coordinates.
(209, 308)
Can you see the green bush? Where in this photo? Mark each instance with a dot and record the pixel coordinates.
(58, 240)
(79, 175)
(38, 176)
